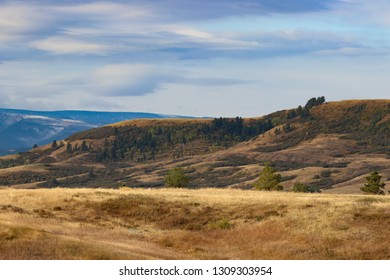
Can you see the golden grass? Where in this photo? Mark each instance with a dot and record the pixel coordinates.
(191, 224)
(159, 122)
(339, 108)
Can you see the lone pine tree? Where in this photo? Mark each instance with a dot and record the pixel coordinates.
(269, 180)
(373, 184)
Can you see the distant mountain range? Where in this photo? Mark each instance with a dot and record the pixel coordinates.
(20, 130)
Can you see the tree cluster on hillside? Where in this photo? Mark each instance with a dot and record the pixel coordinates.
(84, 147)
(304, 111)
(315, 102)
(144, 143)
(140, 144)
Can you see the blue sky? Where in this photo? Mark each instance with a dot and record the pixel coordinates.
(200, 58)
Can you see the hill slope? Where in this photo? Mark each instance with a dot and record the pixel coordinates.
(21, 129)
(330, 146)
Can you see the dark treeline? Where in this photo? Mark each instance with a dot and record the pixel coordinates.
(304, 112)
(315, 102)
(144, 143)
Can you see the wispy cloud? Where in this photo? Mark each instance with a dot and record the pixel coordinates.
(140, 79)
(118, 52)
(100, 28)
(188, 9)
(205, 9)
(18, 21)
(68, 45)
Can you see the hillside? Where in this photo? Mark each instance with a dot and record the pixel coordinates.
(21, 129)
(329, 146)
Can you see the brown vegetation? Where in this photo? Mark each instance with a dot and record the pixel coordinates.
(191, 224)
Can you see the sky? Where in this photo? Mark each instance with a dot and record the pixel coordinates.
(196, 58)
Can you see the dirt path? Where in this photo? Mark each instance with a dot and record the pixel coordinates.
(131, 244)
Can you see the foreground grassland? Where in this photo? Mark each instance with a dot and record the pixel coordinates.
(191, 224)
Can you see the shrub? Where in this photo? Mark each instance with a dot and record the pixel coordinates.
(326, 173)
(300, 187)
(221, 224)
(175, 178)
(51, 183)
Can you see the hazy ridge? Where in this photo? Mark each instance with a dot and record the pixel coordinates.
(21, 129)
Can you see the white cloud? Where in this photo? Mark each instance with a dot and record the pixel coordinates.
(18, 20)
(68, 45)
(357, 52)
(103, 28)
(106, 10)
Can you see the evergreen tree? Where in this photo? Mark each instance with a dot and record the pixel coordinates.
(269, 180)
(291, 114)
(288, 128)
(69, 148)
(373, 184)
(84, 146)
(315, 102)
(175, 178)
(299, 111)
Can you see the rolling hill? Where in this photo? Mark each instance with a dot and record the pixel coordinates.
(329, 146)
(21, 129)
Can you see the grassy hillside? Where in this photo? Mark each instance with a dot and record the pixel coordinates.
(367, 122)
(191, 224)
(329, 146)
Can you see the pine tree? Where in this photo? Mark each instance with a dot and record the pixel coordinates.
(84, 146)
(69, 148)
(373, 184)
(269, 180)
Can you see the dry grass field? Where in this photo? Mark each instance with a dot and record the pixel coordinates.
(191, 224)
